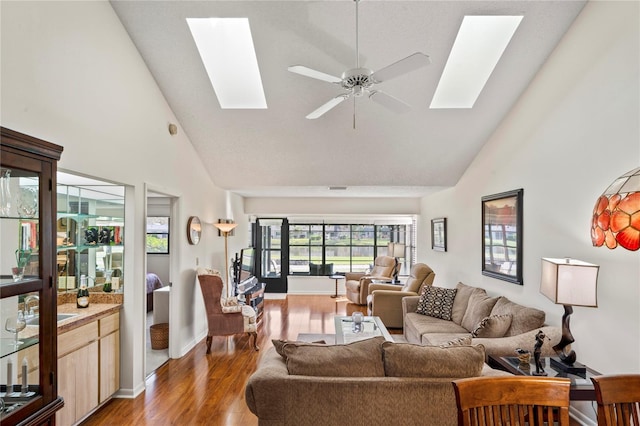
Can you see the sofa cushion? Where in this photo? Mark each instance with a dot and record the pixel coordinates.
(524, 318)
(436, 302)
(358, 359)
(443, 339)
(462, 300)
(408, 360)
(480, 306)
(492, 326)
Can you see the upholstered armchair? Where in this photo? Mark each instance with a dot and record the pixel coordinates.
(385, 300)
(225, 317)
(357, 283)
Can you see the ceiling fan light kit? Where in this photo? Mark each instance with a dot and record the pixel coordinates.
(359, 81)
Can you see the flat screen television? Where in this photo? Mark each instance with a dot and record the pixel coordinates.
(247, 262)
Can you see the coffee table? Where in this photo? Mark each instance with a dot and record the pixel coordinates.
(372, 326)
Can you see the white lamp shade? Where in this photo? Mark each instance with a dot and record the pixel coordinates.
(225, 227)
(395, 250)
(569, 282)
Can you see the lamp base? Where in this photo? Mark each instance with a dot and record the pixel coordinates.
(576, 368)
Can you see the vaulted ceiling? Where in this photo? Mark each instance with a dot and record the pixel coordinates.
(278, 152)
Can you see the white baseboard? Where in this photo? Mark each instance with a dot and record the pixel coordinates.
(130, 393)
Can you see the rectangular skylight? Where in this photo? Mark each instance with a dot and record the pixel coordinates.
(480, 43)
(227, 52)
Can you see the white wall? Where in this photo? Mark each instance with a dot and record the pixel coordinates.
(71, 75)
(571, 134)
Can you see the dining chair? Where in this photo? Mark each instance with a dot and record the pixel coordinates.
(513, 401)
(618, 398)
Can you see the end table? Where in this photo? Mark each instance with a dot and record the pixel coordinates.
(336, 277)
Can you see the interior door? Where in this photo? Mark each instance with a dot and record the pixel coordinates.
(272, 263)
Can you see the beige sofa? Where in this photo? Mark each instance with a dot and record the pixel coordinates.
(385, 300)
(507, 325)
(369, 382)
(357, 283)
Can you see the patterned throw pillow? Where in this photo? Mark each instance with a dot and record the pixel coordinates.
(492, 326)
(460, 341)
(436, 302)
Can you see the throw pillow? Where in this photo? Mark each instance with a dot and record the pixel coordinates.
(460, 341)
(278, 344)
(492, 326)
(480, 306)
(358, 359)
(436, 302)
(524, 318)
(462, 301)
(408, 360)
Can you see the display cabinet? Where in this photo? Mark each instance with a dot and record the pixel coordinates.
(90, 236)
(28, 339)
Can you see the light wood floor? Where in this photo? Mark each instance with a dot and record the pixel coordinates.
(200, 389)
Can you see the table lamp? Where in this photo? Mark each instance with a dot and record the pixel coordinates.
(396, 250)
(568, 282)
(225, 228)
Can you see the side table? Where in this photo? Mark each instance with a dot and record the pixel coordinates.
(336, 277)
(581, 387)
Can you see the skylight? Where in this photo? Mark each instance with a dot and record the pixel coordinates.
(480, 43)
(227, 52)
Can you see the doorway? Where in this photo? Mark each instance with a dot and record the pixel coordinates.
(158, 279)
(272, 262)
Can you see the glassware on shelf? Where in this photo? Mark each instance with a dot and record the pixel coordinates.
(15, 325)
(27, 202)
(5, 192)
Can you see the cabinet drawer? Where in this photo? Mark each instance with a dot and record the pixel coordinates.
(109, 324)
(77, 338)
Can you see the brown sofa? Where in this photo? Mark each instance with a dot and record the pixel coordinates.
(369, 382)
(472, 306)
(385, 300)
(357, 283)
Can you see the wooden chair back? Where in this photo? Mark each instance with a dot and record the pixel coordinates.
(618, 398)
(513, 401)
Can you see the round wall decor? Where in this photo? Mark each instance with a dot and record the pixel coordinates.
(194, 230)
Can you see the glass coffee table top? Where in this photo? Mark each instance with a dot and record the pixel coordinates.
(371, 327)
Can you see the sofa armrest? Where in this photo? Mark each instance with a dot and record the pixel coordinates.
(390, 287)
(506, 346)
(409, 304)
(353, 276)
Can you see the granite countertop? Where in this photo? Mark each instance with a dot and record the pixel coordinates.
(93, 312)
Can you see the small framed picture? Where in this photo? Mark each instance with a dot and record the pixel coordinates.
(439, 234)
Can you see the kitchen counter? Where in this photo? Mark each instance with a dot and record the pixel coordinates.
(93, 312)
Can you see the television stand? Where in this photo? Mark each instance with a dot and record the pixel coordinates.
(254, 297)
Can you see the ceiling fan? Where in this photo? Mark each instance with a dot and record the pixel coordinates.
(358, 81)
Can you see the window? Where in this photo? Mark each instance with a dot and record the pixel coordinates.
(344, 246)
(158, 235)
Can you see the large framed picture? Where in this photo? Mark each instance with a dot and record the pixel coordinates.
(502, 236)
(439, 234)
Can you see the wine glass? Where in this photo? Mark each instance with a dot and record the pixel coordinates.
(15, 325)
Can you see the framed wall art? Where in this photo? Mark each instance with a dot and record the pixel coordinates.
(439, 234)
(502, 236)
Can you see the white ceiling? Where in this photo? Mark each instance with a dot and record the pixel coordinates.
(277, 152)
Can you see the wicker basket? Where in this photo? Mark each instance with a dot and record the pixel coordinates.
(159, 336)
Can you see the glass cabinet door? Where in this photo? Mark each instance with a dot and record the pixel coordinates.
(20, 289)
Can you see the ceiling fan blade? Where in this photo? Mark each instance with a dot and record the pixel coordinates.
(403, 66)
(308, 72)
(326, 107)
(388, 101)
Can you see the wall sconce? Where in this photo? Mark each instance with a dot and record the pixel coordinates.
(616, 215)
